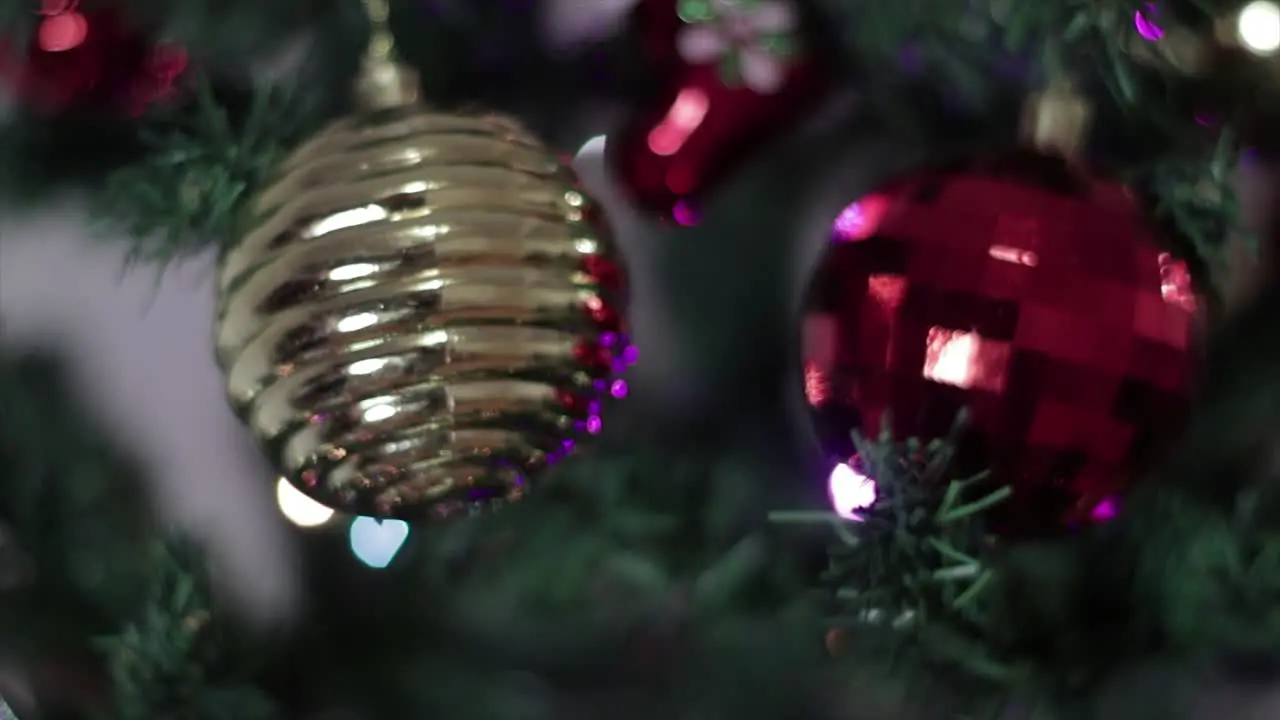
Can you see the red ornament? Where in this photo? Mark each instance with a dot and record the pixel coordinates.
(733, 75)
(1025, 291)
(90, 60)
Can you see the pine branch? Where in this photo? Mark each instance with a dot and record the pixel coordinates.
(169, 662)
(73, 505)
(189, 191)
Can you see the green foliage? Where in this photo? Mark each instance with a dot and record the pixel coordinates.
(1214, 578)
(189, 190)
(635, 584)
(918, 587)
(159, 663)
(914, 566)
(65, 488)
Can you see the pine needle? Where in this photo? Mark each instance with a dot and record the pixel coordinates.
(188, 193)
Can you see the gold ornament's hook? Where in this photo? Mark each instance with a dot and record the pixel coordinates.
(381, 42)
(384, 82)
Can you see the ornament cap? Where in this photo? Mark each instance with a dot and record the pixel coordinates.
(1057, 120)
(385, 84)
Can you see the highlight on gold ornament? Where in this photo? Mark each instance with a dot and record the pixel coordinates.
(424, 310)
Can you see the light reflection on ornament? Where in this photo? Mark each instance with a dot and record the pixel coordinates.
(299, 509)
(860, 219)
(850, 491)
(683, 118)
(817, 388)
(376, 542)
(965, 360)
(1176, 285)
(1014, 255)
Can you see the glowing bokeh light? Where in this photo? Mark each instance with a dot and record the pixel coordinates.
(850, 491)
(1106, 510)
(60, 33)
(1144, 22)
(299, 509)
(684, 214)
(376, 542)
(1258, 27)
(859, 220)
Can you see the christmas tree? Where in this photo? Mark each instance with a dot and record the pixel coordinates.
(1035, 464)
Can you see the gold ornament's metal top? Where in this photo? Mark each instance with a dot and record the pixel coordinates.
(422, 312)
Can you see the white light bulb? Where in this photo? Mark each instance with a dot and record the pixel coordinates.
(851, 491)
(300, 509)
(1258, 27)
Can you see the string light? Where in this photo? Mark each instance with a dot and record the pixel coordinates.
(1258, 27)
(300, 509)
(851, 491)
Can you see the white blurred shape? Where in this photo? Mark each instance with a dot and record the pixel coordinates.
(299, 509)
(649, 319)
(1258, 27)
(140, 344)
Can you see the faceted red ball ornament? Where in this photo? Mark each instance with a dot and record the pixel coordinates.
(1025, 291)
(730, 76)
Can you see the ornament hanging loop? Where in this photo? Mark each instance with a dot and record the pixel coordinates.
(384, 82)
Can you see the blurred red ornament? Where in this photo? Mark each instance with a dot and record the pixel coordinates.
(733, 75)
(57, 7)
(93, 60)
(1026, 291)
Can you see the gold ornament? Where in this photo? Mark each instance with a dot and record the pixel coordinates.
(422, 313)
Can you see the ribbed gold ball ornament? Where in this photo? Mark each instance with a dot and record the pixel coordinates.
(423, 312)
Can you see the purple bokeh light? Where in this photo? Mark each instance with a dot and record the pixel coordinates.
(684, 214)
(1105, 511)
(1144, 22)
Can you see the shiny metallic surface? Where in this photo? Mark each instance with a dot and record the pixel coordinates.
(421, 315)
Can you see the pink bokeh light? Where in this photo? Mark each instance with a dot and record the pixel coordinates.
(1105, 511)
(859, 220)
(851, 492)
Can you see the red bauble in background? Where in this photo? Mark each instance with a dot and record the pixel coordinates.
(733, 74)
(90, 60)
(1022, 289)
